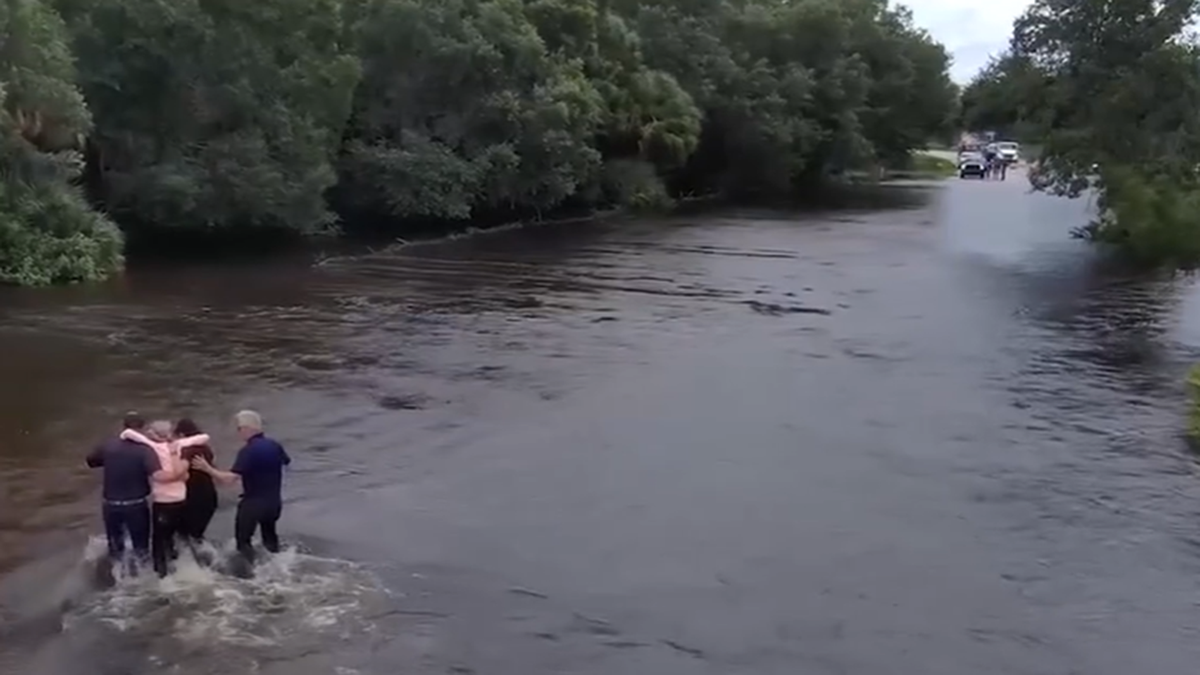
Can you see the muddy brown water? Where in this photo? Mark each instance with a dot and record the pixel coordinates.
(931, 436)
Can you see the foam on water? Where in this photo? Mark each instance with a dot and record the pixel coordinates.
(294, 599)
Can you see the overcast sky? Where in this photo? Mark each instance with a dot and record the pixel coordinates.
(972, 30)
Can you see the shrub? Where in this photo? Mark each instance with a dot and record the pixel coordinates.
(635, 185)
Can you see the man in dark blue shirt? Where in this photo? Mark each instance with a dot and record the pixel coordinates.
(259, 467)
(129, 467)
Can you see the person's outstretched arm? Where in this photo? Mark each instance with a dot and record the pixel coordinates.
(226, 477)
(198, 439)
(179, 443)
(240, 464)
(172, 471)
(137, 437)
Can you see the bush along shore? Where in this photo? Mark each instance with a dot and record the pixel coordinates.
(238, 120)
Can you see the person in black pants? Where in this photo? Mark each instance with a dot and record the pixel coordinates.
(129, 468)
(201, 501)
(168, 523)
(168, 497)
(259, 467)
(989, 158)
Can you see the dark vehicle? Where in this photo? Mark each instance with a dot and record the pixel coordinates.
(972, 164)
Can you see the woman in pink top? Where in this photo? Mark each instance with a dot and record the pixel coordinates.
(167, 509)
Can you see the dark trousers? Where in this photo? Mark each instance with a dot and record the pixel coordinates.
(198, 513)
(251, 515)
(168, 520)
(132, 518)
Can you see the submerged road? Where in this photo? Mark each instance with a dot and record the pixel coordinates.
(931, 434)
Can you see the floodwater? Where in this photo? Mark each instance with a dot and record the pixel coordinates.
(933, 435)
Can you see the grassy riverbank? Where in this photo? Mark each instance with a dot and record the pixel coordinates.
(919, 165)
(926, 165)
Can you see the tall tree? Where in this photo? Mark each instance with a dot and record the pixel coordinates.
(48, 233)
(1008, 96)
(462, 107)
(215, 113)
(1122, 86)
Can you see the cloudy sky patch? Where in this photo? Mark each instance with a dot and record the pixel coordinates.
(972, 30)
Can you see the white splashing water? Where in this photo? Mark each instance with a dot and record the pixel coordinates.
(293, 599)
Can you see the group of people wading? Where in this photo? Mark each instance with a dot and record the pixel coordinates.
(160, 487)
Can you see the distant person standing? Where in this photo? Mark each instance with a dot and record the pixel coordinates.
(989, 160)
(259, 467)
(130, 469)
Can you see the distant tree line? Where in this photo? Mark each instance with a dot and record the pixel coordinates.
(300, 116)
(1110, 91)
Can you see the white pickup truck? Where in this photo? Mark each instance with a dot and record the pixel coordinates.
(1006, 151)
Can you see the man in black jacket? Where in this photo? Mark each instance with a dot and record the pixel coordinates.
(128, 469)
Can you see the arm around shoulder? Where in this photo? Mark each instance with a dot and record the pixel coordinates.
(191, 441)
(137, 437)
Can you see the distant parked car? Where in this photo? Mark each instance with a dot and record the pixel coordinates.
(972, 164)
(1008, 151)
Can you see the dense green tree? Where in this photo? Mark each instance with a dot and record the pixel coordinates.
(214, 113)
(1113, 90)
(218, 116)
(462, 106)
(761, 109)
(1122, 85)
(48, 233)
(649, 124)
(793, 92)
(911, 100)
(1009, 96)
